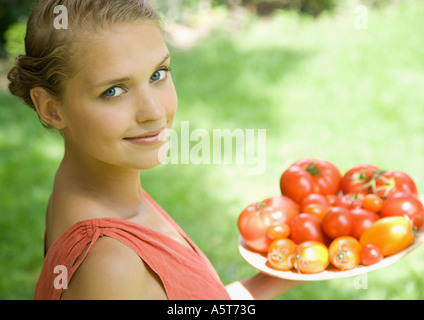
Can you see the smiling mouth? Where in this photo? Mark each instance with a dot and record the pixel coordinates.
(149, 138)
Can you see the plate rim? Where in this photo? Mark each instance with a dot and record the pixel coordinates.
(329, 274)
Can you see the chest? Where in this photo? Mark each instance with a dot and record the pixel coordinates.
(60, 217)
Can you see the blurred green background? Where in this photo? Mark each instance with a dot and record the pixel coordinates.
(335, 82)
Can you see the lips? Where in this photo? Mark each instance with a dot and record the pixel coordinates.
(148, 138)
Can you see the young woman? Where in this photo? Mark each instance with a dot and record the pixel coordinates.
(103, 81)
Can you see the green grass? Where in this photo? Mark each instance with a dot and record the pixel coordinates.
(320, 88)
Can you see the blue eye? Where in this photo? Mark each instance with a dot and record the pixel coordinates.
(159, 75)
(113, 92)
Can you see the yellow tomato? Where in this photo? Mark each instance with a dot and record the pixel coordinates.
(390, 234)
(312, 257)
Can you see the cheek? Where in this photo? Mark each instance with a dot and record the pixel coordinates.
(170, 101)
(91, 128)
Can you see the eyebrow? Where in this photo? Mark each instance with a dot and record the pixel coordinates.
(124, 79)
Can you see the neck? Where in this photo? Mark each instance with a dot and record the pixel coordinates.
(115, 187)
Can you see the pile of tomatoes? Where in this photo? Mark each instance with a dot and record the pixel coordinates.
(325, 217)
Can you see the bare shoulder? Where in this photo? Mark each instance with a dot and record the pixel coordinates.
(112, 271)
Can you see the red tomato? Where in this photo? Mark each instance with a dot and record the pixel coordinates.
(362, 219)
(372, 202)
(311, 257)
(350, 200)
(278, 231)
(345, 253)
(371, 254)
(355, 179)
(389, 234)
(307, 176)
(390, 182)
(404, 204)
(281, 254)
(332, 198)
(314, 198)
(418, 222)
(305, 227)
(337, 222)
(254, 221)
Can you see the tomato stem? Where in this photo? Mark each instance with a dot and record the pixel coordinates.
(260, 206)
(341, 255)
(312, 168)
(297, 258)
(372, 182)
(414, 228)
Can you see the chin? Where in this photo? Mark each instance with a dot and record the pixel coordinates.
(148, 166)
(152, 159)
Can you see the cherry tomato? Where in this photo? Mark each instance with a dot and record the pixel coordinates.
(307, 176)
(418, 222)
(372, 202)
(311, 257)
(314, 198)
(345, 253)
(278, 231)
(337, 222)
(255, 220)
(306, 226)
(371, 254)
(316, 210)
(350, 201)
(390, 182)
(281, 254)
(362, 219)
(390, 234)
(404, 204)
(356, 179)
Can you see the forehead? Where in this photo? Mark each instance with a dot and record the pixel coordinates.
(120, 50)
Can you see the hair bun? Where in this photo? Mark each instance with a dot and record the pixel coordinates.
(17, 84)
(18, 57)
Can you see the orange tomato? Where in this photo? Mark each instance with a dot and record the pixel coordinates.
(281, 254)
(278, 231)
(316, 209)
(311, 257)
(390, 234)
(345, 253)
(372, 202)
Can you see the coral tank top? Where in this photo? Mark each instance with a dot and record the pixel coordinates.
(186, 274)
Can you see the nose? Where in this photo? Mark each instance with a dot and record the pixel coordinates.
(149, 106)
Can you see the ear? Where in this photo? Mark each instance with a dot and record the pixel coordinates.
(48, 108)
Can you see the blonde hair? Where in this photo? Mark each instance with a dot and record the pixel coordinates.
(48, 55)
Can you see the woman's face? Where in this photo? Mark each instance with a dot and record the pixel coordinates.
(118, 105)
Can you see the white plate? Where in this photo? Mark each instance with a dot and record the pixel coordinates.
(259, 262)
